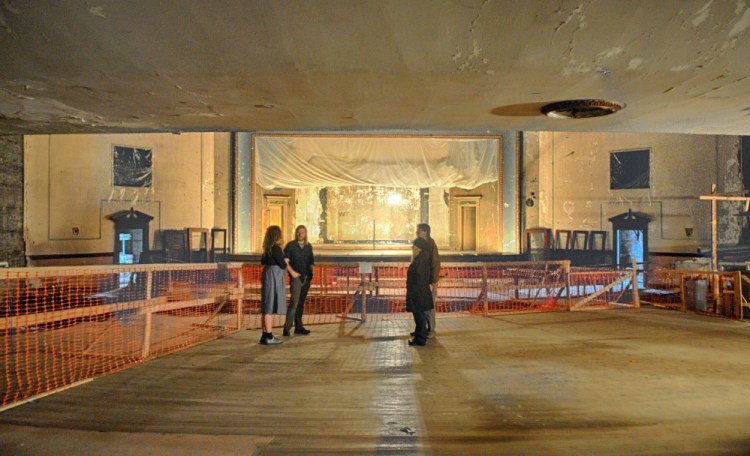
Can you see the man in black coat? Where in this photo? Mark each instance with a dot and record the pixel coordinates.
(418, 292)
(299, 252)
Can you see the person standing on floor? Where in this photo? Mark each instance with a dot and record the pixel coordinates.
(273, 289)
(418, 292)
(299, 252)
(423, 231)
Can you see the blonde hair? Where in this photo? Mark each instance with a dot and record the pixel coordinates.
(272, 237)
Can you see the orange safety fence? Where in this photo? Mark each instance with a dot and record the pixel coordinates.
(59, 326)
(329, 299)
(602, 287)
(714, 293)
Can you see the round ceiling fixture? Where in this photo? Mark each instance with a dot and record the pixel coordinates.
(580, 109)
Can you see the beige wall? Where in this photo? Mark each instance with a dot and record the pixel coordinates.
(68, 183)
(222, 180)
(569, 175)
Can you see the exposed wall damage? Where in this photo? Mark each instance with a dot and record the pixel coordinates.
(570, 176)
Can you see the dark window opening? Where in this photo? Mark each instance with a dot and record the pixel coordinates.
(131, 167)
(629, 169)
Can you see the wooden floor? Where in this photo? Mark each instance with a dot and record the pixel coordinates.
(635, 382)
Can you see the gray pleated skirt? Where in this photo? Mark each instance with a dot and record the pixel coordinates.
(273, 290)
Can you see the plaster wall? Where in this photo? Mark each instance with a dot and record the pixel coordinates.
(68, 185)
(222, 180)
(570, 175)
(11, 201)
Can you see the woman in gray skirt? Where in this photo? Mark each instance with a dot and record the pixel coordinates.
(273, 289)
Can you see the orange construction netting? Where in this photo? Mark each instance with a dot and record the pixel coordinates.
(59, 326)
(711, 293)
(62, 325)
(601, 287)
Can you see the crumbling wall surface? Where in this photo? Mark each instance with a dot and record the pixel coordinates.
(574, 186)
(729, 178)
(11, 201)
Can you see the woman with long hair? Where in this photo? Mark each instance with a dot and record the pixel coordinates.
(273, 291)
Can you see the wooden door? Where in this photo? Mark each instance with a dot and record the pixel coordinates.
(468, 227)
(276, 215)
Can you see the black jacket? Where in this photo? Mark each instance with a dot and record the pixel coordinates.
(274, 257)
(418, 293)
(301, 259)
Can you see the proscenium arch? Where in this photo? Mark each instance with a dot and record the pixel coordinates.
(246, 167)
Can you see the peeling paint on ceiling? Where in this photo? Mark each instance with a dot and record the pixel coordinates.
(370, 65)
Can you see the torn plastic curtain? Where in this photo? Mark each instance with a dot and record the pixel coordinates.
(300, 162)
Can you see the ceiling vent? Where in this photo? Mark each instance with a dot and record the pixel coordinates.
(580, 109)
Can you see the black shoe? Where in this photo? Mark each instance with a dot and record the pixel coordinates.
(270, 341)
(302, 331)
(416, 342)
(286, 333)
(412, 334)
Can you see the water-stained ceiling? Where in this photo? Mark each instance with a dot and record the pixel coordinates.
(372, 65)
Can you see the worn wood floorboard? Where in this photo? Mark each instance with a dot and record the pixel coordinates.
(606, 382)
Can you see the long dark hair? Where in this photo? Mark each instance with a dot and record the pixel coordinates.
(272, 237)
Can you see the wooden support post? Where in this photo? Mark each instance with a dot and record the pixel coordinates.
(241, 299)
(714, 237)
(716, 284)
(364, 298)
(147, 336)
(323, 281)
(568, 299)
(738, 294)
(148, 317)
(149, 285)
(636, 297)
(485, 291)
(683, 305)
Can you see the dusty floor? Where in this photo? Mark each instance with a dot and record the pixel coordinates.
(636, 382)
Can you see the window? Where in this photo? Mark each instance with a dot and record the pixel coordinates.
(629, 169)
(131, 167)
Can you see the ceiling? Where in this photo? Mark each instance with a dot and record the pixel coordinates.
(372, 65)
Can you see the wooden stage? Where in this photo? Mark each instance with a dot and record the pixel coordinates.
(636, 382)
(323, 255)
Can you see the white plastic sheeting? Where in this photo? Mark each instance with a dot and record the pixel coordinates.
(321, 161)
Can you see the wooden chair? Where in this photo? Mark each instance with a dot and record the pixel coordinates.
(598, 240)
(562, 240)
(197, 244)
(219, 249)
(532, 234)
(580, 240)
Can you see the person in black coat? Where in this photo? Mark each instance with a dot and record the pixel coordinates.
(418, 292)
(299, 252)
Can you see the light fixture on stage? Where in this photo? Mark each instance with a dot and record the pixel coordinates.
(394, 199)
